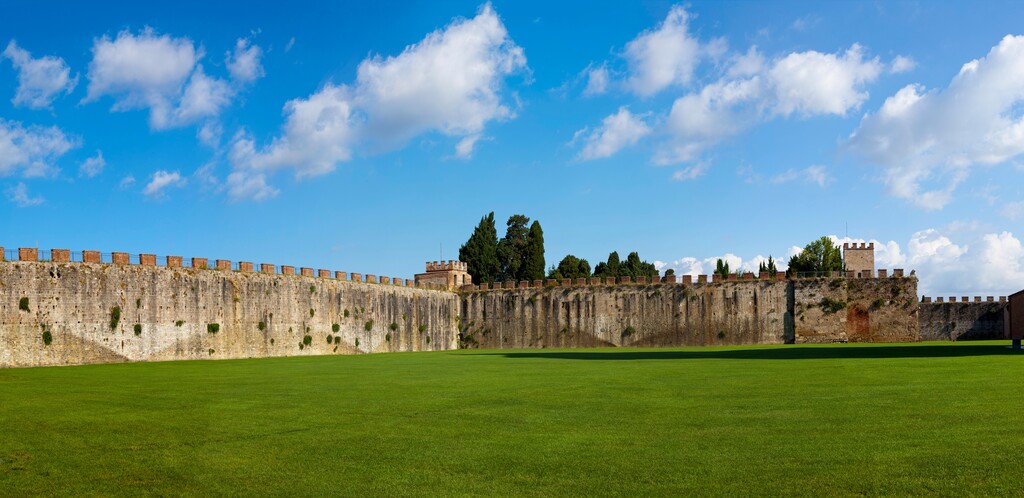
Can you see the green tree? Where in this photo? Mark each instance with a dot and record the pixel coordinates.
(818, 256)
(772, 270)
(570, 267)
(512, 248)
(670, 272)
(613, 267)
(722, 269)
(533, 257)
(480, 252)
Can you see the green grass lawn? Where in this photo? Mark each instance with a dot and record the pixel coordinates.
(939, 418)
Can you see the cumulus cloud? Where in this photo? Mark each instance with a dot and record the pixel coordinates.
(20, 197)
(39, 80)
(245, 63)
(126, 182)
(616, 132)
(31, 151)
(811, 82)
(162, 74)
(664, 56)
(744, 89)
(690, 265)
(162, 180)
(980, 264)
(92, 166)
(450, 83)
(926, 141)
(701, 119)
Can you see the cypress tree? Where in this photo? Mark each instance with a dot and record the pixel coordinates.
(533, 260)
(480, 252)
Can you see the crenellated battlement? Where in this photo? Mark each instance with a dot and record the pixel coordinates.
(449, 265)
(30, 254)
(963, 299)
(863, 245)
(678, 280)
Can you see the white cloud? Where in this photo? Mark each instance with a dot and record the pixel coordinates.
(244, 64)
(664, 56)
(162, 180)
(31, 151)
(811, 174)
(926, 141)
(701, 119)
(902, 64)
(706, 266)
(39, 80)
(288, 46)
(982, 264)
(159, 73)
(597, 80)
(19, 196)
(464, 149)
(319, 132)
(209, 134)
(252, 186)
(691, 172)
(616, 132)
(92, 166)
(126, 182)
(204, 96)
(450, 82)
(811, 82)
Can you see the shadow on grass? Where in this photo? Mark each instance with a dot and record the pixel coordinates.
(775, 353)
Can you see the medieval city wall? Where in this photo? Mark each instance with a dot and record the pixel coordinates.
(596, 312)
(880, 309)
(102, 313)
(963, 319)
(628, 314)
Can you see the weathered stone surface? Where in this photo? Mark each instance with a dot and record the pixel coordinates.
(855, 310)
(74, 300)
(941, 321)
(629, 315)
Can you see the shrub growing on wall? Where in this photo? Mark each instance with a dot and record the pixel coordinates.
(23, 304)
(212, 328)
(368, 326)
(137, 328)
(47, 337)
(335, 328)
(115, 317)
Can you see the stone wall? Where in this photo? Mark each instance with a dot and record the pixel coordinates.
(169, 313)
(961, 321)
(855, 309)
(753, 312)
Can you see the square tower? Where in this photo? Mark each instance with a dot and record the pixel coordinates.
(449, 274)
(860, 259)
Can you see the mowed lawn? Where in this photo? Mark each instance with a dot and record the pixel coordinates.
(933, 419)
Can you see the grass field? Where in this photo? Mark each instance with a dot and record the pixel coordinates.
(943, 419)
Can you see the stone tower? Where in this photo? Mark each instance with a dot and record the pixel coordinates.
(449, 274)
(860, 259)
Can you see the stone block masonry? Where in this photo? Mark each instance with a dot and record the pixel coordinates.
(191, 313)
(629, 315)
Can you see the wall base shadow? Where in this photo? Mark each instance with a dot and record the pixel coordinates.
(815, 352)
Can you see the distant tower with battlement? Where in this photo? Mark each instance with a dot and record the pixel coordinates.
(449, 274)
(860, 259)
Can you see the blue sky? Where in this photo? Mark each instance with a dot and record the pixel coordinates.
(367, 137)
